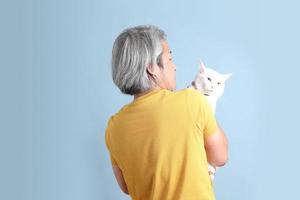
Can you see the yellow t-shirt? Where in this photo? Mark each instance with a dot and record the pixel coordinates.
(157, 141)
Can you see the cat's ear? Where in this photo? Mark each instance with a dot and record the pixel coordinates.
(202, 67)
(226, 76)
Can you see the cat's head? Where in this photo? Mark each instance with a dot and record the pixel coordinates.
(210, 82)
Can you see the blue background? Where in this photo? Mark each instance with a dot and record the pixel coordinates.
(57, 92)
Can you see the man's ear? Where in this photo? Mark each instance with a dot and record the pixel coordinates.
(153, 70)
(149, 69)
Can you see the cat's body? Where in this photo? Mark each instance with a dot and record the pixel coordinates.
(211, 84)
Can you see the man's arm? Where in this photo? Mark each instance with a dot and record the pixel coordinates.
(216, 146)
(120, 179)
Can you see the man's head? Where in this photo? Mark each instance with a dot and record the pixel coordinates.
(142, 60)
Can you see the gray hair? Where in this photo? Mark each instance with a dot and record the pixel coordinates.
(133, 50)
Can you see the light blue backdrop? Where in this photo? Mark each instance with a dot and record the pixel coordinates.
(57, 92)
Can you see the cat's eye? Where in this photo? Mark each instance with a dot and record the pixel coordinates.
(219, 83)
(209, 78)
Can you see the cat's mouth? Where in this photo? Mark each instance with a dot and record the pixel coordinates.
(208, 92)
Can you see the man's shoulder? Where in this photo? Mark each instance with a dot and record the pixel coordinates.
(191, 93)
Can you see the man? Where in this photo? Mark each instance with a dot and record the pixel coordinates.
(161, 142)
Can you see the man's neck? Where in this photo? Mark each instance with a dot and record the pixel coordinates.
(143, 93)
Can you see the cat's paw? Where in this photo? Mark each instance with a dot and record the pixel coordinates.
(212, 171)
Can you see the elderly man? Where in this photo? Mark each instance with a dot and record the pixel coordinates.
(161, 142)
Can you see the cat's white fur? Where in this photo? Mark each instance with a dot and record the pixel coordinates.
(211, 84)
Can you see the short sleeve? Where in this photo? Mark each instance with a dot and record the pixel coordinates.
(201, 112)
(107, 142)
(112, 160)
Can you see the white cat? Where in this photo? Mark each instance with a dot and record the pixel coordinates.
(211, 84)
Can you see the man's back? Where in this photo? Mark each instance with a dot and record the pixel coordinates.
(158, 143)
